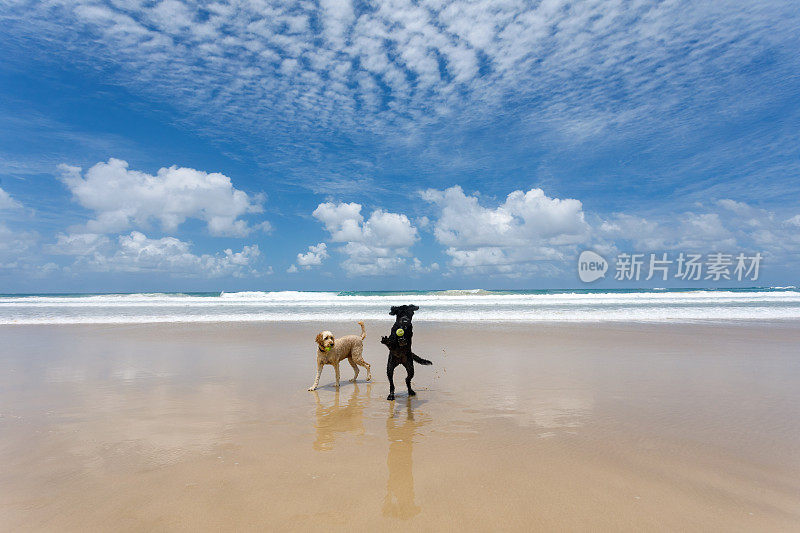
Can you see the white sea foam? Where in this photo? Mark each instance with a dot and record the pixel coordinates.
(454, 305)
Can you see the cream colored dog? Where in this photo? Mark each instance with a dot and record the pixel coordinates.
(332, 351)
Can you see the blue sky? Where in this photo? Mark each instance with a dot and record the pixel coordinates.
(395, 145)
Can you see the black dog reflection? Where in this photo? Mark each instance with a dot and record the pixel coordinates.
(399, 501)
(399, 344)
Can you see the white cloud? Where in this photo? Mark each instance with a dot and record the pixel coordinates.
(47, 269)
(698, 231)
(15, 242)
(690, 232)
(418, 266)
(374, 246)
(122, 198)
(527, 227)
(315, 255)
(485, 256)
(646, 234)
(7, 202)
(18, 250)
(736, 227)
(264, 65)
(764, 230)
(740, 208)
(136, 252)
(79, 243)
(531, 233)
(342, 221)
(525, 218)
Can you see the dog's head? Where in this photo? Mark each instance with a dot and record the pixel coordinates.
(325, 340)
(404, 313)
(402, 330)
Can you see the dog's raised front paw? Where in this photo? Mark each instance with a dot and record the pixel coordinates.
(390, 397)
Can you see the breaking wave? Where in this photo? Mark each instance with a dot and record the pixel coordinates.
(662, 305)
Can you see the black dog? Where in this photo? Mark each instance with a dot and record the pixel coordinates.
(399, 344)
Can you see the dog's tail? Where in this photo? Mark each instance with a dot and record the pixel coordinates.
(363, 331)
(420, 360)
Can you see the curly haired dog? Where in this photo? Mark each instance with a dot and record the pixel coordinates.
(332, 351)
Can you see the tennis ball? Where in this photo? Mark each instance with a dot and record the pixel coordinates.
(399, 332)
(327, 348)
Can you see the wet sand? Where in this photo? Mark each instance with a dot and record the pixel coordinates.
(515, 427)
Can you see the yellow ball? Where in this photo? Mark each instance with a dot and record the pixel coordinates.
(399, 332)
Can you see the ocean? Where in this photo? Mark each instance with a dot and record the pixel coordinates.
(578, 305)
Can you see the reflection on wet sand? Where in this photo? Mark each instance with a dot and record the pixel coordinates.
(197, 427)
(336, 418)
(400, 431)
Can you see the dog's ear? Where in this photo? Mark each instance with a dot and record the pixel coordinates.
(414, 307)
(393, 310)
(319, 339)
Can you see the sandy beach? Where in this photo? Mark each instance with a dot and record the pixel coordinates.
(516, 427)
